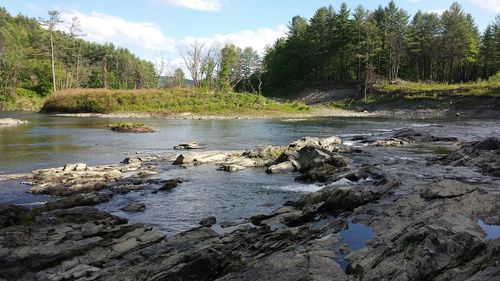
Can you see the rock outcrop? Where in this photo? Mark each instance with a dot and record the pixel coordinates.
(484, 155)
(408, 136)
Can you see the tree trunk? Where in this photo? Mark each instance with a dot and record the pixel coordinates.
(53, 63)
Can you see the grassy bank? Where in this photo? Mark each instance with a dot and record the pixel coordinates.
(21, 100)
(418, 95)
(170, 101)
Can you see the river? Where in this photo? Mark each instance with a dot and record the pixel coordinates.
(51, 141)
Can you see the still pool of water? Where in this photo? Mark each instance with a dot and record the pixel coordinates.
(51, 141)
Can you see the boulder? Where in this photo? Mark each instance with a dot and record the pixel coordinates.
(231, 168)
(446, 189)
(134, 207)
(411, 135)
(132, 160)
(88, 199)
(283, 167)
(202, 158)
(170, 184)
(321, 142)
(189, 145)
(208, 222)
(484, 155)
(72, 179)
(78, 167)
(266, 153)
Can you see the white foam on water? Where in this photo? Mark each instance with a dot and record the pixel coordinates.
(302, 188)
(354, 135)
(426, 125)
(342, 181)
(33, 203)
(349, 143)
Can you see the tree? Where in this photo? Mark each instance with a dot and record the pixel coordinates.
(75, 31)
(360, 16)
(230, 56)
(193, 60)
(459, 41)
(424, 36)
(179, 77)
(51, 24)
(396, 24)
(370, 49)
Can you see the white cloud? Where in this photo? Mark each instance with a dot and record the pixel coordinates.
(491, 5)
(201, 5)
(257, 39)
(104, 28)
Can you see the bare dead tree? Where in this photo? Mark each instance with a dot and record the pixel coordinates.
(75, 31)
(160, 66)
(51, 24)
(192, 57)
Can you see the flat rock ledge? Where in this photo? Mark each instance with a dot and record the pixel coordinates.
(427, 232)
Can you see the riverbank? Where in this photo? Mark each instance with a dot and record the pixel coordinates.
(375, 217)
(480, 99)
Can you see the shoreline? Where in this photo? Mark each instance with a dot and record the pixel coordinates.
(317, 113)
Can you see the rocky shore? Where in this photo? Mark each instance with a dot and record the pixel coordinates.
(382, 224)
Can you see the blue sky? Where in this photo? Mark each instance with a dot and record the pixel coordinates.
(153, 27)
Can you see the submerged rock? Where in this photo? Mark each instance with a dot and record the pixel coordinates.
(170, 184)
(208, 222)
(189, 145)
(134, 207)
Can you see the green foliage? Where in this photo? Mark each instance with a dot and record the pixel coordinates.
(344, 46)
(175, 100)
(25, 61)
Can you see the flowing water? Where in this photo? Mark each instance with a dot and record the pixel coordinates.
(50, 141)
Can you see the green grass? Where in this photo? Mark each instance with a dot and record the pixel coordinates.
(170, 101)
(21, 100)
(419, 95)
(415, 90)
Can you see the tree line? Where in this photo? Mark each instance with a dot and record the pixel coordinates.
(351, 46)
(223, 68)
(36, 56)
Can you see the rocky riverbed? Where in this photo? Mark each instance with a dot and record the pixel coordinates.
(373, 220)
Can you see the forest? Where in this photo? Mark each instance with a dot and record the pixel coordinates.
(334, 46)
(29, 46)
(386, 43)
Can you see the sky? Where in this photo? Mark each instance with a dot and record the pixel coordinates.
(161, 28)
